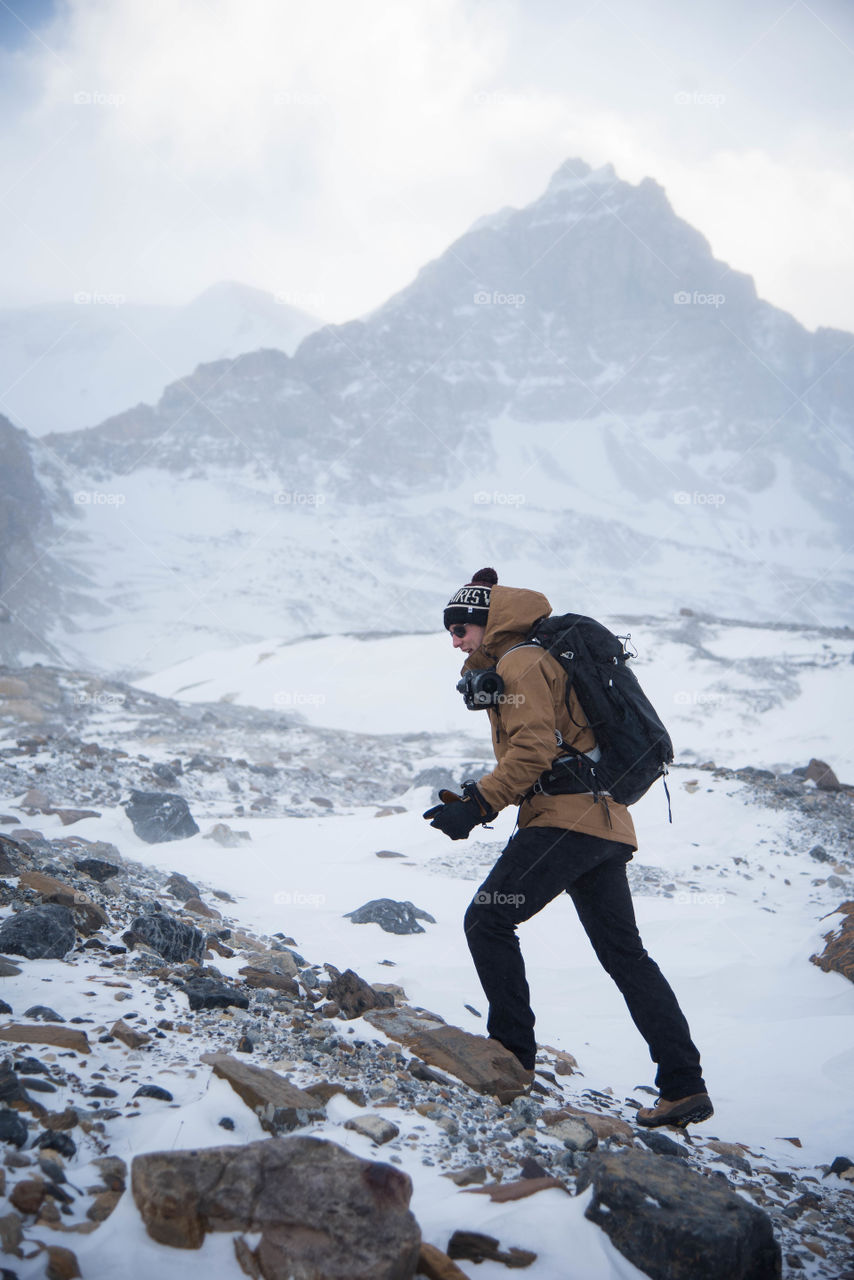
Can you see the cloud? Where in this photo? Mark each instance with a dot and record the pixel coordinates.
(329, 150)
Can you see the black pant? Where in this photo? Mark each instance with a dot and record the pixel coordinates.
(537, 865)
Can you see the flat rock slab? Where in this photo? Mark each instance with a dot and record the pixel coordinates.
(675, 1224)
(375, 1127)
(481, 1063)
(278, 1104)
(322, 1212)
(62, 1037)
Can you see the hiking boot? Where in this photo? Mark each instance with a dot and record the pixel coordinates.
(679, 1112)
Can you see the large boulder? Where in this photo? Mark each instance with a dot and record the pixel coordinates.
(322, 1212)
(88, 916)
(39, 933)
(157, 816)
(353, 995)
(675, 1224)
(172, 939)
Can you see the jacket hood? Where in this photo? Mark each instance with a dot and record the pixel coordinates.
(512, 613)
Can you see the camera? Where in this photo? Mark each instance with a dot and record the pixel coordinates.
(481, 689)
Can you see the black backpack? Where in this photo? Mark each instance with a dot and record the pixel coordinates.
(635, 748)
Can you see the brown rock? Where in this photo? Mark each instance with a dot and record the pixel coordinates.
(838, 953)
(270, 961)
(129, 1035)
(823, 776)
(278, 1104)
(88, 916)
(483, 1064)
(69, 816)
(465, 1177)
(323, 1090)
(46, 1033)
(353, 995)
(603, 1126)
(285, 1188)
(103, 1205)
(36, 799)
(59, 1121)
(113, 1171)
(28, 1194)
(198, 908)
(436, 1265)
(11, 1233)
(11, 687)
(520, 1189)
(269, 978)
(477, 1247)
(61, 1264)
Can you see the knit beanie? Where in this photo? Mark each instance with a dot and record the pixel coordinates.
(471, 602)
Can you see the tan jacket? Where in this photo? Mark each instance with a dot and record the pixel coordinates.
(524, 724)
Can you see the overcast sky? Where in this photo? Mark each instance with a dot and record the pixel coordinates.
(325, 151)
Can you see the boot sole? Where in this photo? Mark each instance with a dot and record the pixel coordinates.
(691, 1115)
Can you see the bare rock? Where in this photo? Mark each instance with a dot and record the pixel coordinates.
(61, 1263)
(285, 1188)
(391, 916)
(207, 992)
(88, 916)
(129, 1035)
(822, 775)
(475, 1246)
(353, 995)
(62, 1037)
(603, 1126)
(11, 1233)
(200, 908)
(372, 1126)
(174, 940)
(27, 1195)
(436, 1265)
(673, 1223)
(222, 833)
(278, 1104)
(39, 933)
(182, 888)
(838, 953)
(255, 977)
(158, 816)
(572, 1130)
(483, 1064)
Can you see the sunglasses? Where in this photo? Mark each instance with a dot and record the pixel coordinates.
(459, 630)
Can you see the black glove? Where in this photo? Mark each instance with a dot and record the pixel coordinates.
(457, 817)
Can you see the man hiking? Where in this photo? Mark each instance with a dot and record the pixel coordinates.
(578, 843)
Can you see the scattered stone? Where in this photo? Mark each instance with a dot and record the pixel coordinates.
(154, 1091)
(391, 916)
(206, 992)
(254, 977)
(182, 888)
(13, 1127)
(284, 1188)
(61, 1263)
(27, 1195)
(838, 953)
(103, 1205)
(199, 908)
(475, 1173)
(129, 1035)
(39, 933)
(11, 1235)
(323, 1090)
(731, 1154)
(158, 816)
(60, 1142)
(820, 854)
(88, 916)
(670, 1221)
(7, 969)
(603, 1126)
(573, 1131)
(474, 1246)
(43, 1013)
(353, 995)
(389, 853)
(222, 833)
(97, 869)
(842, 1167)
(62, 1037)
(661, 1144)
(823, 776)
(5, 1008)
(174, 940)
(372, 1126)
(278, 1104)
(113, 1171)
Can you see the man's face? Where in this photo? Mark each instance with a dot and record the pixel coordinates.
(471, 639)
